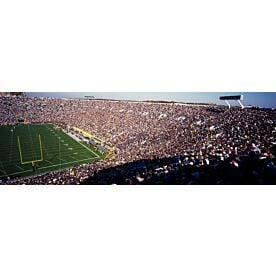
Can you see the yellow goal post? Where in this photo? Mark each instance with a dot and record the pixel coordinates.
(31, 161)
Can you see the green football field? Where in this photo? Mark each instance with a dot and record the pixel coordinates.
(58, 150)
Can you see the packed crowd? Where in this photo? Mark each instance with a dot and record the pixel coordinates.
(176, 143)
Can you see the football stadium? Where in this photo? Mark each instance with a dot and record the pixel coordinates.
(46, 140)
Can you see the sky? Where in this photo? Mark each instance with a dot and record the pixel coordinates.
(250, 98)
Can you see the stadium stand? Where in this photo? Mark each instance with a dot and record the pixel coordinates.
(158, 143)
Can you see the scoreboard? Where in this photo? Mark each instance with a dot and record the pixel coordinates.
(231, 98)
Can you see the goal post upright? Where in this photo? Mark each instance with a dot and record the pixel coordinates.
(41, 152)
(19, 147)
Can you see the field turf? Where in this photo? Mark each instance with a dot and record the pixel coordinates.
(59, 150)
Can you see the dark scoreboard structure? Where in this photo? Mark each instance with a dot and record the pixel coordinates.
(237, 98)
(231, 98)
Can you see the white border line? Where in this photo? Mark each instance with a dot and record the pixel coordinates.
(74, 138)
(57, 165)
(88, 149)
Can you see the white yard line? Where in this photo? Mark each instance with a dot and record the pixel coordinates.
(3, 172)
(77, 140)
(20, 168)
(62, 160)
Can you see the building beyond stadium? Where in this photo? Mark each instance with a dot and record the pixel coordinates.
(10, 94)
